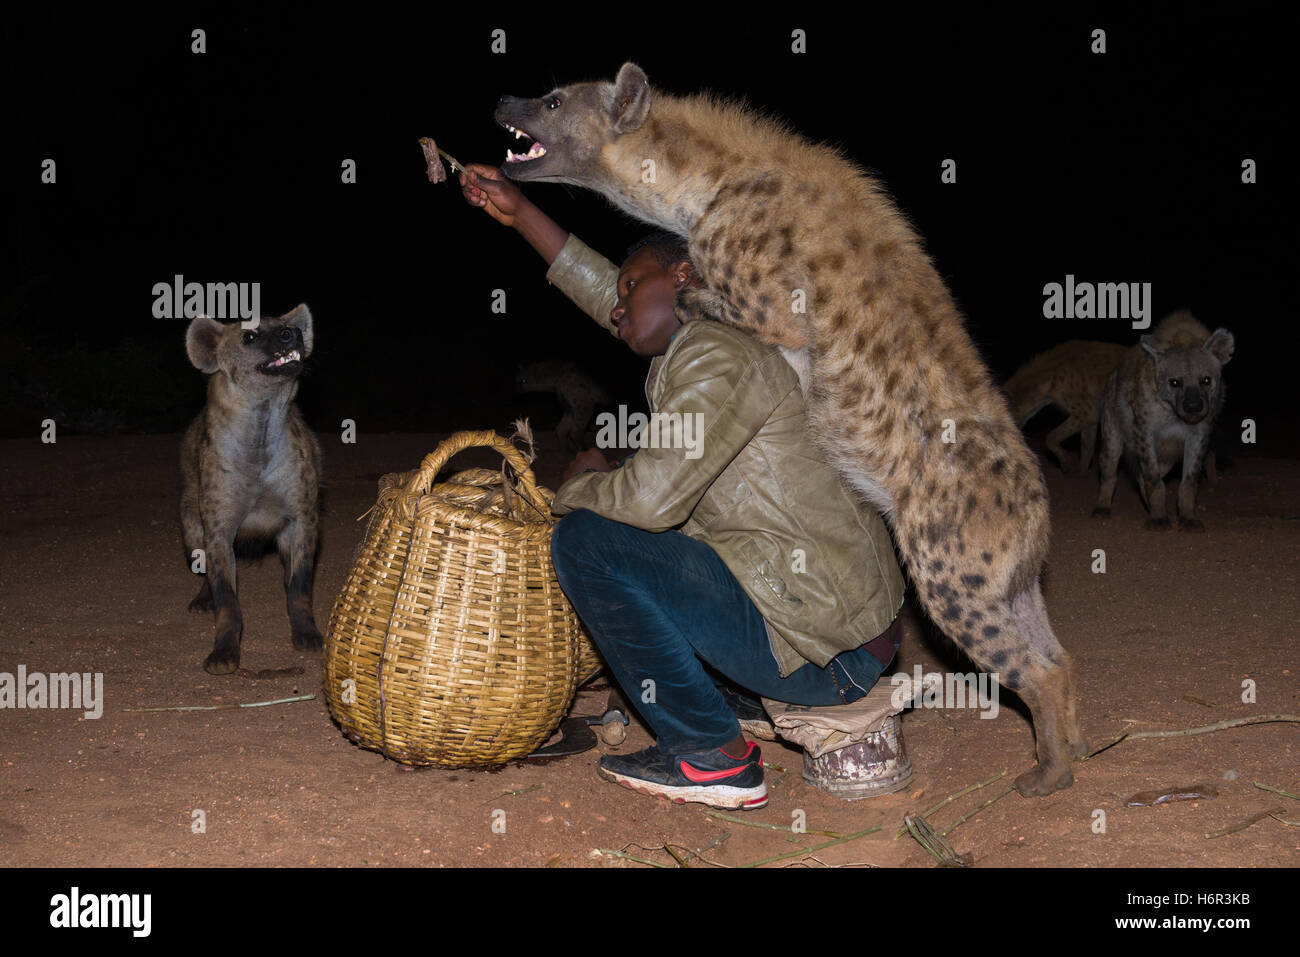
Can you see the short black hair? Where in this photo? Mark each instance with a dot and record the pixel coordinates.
(669, 249)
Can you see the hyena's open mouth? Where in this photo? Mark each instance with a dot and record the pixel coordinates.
(282, 363)
(535, 152)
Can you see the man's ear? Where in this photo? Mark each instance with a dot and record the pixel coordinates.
(684, 275)
(202, 339)
(300, 316)
(631, 99)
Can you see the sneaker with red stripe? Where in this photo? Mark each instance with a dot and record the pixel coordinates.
(710, 777)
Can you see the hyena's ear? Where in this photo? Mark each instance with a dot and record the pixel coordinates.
(1152, 345)
(1221, 345)
(631, 99)
(300, 316)
(202, 340)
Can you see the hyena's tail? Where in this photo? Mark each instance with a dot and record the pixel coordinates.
(1025, 396)
(1027, 390)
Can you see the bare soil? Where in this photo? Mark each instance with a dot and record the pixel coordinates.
(92, 579)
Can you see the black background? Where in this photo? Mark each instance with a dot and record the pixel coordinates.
(225, 167)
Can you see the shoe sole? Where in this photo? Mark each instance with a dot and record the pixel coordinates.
(720, 796)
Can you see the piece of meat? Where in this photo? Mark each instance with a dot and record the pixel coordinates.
(436, 172)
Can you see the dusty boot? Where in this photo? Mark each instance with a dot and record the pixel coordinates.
(878, 764)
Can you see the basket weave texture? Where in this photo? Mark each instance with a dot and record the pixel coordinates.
(461, 649)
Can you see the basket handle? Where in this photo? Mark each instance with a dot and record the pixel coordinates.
(525, 483)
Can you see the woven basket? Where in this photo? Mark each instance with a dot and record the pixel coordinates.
(461, 648)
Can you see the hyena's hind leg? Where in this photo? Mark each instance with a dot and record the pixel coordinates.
(1063, 431)
(1110, 447)
(1087, 445)
(1019, 646)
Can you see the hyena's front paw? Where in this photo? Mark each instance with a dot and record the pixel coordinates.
(1100, 512)
(1191, 525)
(1157, 525)
(308, 638)
(222, 661)
(1039, 780)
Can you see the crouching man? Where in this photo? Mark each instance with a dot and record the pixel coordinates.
(731, 543)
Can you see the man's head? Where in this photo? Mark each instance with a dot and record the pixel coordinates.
(654, 271)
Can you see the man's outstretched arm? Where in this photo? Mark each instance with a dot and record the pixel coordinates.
(582, 274)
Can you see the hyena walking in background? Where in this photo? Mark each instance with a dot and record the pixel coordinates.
(251, 471)
(799, 246)
(1159, 406)
(1071, 377)
(579, 397)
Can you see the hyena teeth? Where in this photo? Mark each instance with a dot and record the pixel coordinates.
(290, 356)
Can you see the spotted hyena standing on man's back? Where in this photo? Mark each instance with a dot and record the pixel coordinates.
(579, 397)
(251, 471)
(801, 247)
(1159, 406)
(1069, 376)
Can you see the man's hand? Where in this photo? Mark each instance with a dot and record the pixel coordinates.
(590, 459)
(487, 187)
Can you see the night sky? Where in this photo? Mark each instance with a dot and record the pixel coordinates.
(225, 167)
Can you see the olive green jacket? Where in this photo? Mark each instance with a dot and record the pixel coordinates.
(818, 564)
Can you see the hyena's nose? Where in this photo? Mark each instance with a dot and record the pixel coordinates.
(286, 335)
(507, 103)
(1193, 404)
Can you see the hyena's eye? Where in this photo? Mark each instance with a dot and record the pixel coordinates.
(1175, 382)
(1205, 381)
(552, 102)
(249, 338)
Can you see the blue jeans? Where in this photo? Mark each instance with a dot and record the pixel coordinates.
(656, 603)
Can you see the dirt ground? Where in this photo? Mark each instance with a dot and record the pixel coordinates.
(92, 580)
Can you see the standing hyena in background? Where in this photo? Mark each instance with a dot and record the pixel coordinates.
(1159, 405)
(1069, 376)
(799, 246)
(579, 397)
(251, 470)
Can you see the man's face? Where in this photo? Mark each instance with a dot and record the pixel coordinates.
(644, 313)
